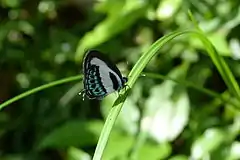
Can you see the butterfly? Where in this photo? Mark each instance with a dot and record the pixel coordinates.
(101, 76)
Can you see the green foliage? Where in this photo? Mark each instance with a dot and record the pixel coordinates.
(71, 133)
(182, 99)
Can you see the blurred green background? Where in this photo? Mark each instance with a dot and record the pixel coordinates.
(42, 41)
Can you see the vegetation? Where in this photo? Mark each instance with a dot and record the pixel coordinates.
(181, 102)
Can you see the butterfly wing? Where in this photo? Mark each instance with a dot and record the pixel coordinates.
(101, 77)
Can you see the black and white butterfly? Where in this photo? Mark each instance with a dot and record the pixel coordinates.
(101, 76)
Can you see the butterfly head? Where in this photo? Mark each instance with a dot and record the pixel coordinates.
(125, 79)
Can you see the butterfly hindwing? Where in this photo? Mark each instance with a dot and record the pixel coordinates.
(101, 77)
(93, 85)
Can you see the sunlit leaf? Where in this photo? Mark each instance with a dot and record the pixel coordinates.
(235, 150)
(209, 141)
(167, 110)
(167, 8)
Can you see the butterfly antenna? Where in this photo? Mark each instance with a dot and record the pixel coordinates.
(143, 75)
(83, 96)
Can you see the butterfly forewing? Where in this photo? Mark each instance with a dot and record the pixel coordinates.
(101, 77)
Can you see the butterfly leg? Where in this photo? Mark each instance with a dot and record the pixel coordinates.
(117, 93)
(126, 87)
(82, 92)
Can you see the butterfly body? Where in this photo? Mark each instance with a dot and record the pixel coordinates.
(101, 77)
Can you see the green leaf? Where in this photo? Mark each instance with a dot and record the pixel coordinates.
(234, 153)
(218, 39)
(111, 26)
(73, 133)
(11, 3)
(119, 145)
(154, 151)
(207, 143)
(77, 154)
(179, 157)
(218, 61)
